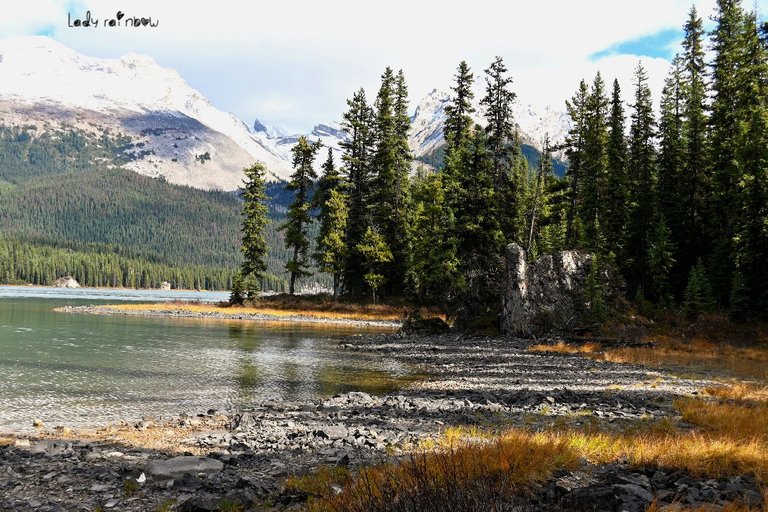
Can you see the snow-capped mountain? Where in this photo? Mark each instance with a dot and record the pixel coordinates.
(428, 120)
(330, 135)
(45, 83)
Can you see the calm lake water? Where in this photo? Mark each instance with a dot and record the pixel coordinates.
(84, 370)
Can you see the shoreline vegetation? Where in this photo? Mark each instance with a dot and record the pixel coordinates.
(307, 309)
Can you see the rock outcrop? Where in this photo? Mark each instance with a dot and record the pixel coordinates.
(66, 282)
(547, 296)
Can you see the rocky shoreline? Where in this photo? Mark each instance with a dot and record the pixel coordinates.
(221, 315)
(243, 457)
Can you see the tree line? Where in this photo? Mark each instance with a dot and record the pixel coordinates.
(674, 200)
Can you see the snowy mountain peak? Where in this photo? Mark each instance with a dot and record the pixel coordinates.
(38, 71)
(429, 118)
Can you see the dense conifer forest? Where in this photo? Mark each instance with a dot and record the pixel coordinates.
(676, 201)
(68, 210)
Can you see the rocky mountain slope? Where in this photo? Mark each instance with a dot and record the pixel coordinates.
(177, 133)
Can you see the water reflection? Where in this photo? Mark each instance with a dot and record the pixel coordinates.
(78, 369)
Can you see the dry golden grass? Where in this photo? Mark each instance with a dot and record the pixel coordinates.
(565, 348)
(744, 362)
(464, 477)
(739, 391)
(365, 315)
(480, 472)
(478, 466)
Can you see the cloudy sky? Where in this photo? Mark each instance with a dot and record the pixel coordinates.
(293, 63)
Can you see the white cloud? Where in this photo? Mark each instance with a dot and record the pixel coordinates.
(312, 55)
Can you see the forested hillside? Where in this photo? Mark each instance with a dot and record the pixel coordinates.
(67, 209)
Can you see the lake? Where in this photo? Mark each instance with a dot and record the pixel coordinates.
(81, 370)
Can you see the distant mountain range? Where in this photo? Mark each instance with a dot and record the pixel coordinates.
(175, 132)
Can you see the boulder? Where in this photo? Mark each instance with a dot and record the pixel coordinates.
(547, 296)
(179, 466)
(66, 282)
(416, 324)
(165, 285)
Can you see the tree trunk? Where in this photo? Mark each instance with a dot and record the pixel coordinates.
(335, 287)
(292, 287)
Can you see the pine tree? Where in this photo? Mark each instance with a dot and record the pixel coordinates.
(614, 218)
(332, 214)
(331, 179)
(544, 170)
(660, 263)
(358, 149)
(375, 252)
(574, 144)
(642, 181)
(504, 147)
(692, 180)
(391, 164)
(594, 166)
(299, 218)
(749, 293)
(458, 112)
(723, 196)
(237, 293)
(435, 268)
(331, 243)
(671, 159)
(480, 241)
(254, 246)
(698, 296)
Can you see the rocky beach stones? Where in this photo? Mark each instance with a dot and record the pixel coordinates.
(177, 467)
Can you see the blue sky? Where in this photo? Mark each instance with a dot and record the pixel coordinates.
(295, 63)
(662, 44)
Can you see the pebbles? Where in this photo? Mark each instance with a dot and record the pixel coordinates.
(476, 381)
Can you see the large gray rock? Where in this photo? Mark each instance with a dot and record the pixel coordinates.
(547, 296)
(179, 466)
(66, 282)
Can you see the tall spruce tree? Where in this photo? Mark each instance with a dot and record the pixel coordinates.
(575, 151)
(724, 129)
(296, 225)
(594, 166)
(538, 197)
(504, 148)
(692, 183)
(358, 149)
(614, 217)
(642, 185)
(391, 164)
(749, 290)
(458, 112)
(330, 201)
(254, 245)
(671, 159)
